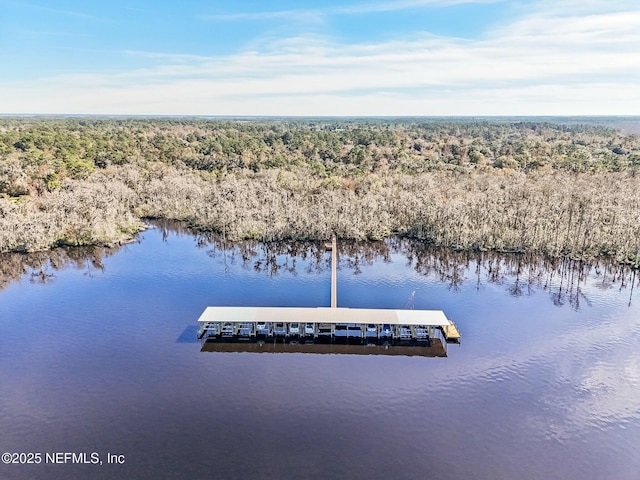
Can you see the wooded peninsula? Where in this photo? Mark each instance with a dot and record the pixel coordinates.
(558, 190)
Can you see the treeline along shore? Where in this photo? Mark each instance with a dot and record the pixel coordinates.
(544, 188)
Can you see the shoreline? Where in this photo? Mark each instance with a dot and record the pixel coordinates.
(348, 244)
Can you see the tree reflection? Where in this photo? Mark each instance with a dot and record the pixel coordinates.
(519, 274)
(41, 266)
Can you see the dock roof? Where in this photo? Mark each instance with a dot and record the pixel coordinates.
(324, 315)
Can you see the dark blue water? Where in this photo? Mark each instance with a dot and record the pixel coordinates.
(102, 358)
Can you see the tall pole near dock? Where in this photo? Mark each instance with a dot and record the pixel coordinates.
(334, 279)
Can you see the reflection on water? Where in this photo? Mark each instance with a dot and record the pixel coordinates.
(520, 274)
(435, 348)
(40, 267)
(101, 358)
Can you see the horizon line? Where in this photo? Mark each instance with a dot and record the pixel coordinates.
(244, 116)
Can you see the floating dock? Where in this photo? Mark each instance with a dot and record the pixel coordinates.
(338, 329)
(451, 333)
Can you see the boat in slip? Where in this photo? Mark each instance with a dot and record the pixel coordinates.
(294, 329)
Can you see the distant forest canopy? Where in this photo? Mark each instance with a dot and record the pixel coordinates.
(46, 150)
(531, 186)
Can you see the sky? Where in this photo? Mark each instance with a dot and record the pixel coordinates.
(320, 58)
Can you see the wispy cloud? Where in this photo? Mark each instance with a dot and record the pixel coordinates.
(266, 15)
(391, 6)
(40, 33)
(356, 9)
(581, 61)
(167, 57)
(57, 11)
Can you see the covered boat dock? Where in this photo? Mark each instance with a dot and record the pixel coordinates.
(322, 325)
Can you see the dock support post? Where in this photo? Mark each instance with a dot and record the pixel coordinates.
(334, 280)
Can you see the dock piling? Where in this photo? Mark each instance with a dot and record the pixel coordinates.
(334, 276)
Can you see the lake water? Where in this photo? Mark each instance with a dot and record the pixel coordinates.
(98, 355)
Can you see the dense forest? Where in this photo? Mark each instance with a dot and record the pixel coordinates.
(537, 187)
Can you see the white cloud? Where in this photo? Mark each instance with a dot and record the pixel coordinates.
(58, 11)
(362, 8)
(289, 15)
(575, 60)
(396, 5)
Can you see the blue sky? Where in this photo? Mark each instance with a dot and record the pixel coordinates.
(366, 57)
